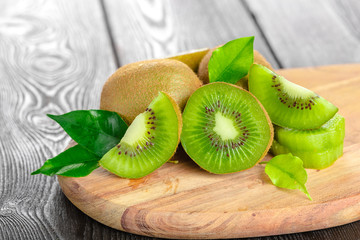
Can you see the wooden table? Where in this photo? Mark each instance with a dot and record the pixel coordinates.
(56, 55)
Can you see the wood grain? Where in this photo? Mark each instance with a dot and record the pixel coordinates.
(56, 54)
(310, 33)
(183, 201)
(54, 58)
(156, 29)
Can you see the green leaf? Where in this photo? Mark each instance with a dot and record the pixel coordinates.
(96, 130)
(73, 162)
(232, 61)
(287, 171)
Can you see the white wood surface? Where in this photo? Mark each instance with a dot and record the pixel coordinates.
(154, 29)
(310, 33)
(54, 57)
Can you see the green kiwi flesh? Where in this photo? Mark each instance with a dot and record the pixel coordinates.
(318, 148)
(288, 104)
(149, 141)
(225, 128)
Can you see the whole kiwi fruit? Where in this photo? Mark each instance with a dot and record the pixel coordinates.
(203, 72)
(132, 87)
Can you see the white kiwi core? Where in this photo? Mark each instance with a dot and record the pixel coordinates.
(136, 130)
(296, 91)
(224, 127)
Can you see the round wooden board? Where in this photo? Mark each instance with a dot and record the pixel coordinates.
(183, 201)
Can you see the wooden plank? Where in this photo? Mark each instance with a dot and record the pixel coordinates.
(155, 29)
(310, 33)
(55, 57)
(184, 201)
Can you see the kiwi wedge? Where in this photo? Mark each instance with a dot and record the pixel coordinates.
(149, 142)
(132, 87)
(225, 129)
(318, 148)
(288, 104)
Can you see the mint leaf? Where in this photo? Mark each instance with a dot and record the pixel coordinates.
(96, 130)
(232, 61)
(287, 171)
(73, 162)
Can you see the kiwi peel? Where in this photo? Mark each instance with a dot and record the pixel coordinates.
(132, 87)
(288, 104)
(149, 142)
(318, 148)
(226, 129)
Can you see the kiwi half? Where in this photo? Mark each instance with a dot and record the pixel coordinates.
(132, 87)
(149, 141)
(318, 148)
(225, 129)
(288, 104)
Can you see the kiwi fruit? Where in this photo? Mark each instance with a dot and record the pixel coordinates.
(318, 148)
(288, 104)
(132, 87)
(191, 58)
(149, 142)
(225, 129)
(203, 72)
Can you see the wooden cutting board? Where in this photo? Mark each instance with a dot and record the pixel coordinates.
(183, 201)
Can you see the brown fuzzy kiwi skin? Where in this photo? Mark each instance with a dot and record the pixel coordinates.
(203, 71)
(270, 126)
(132, 87)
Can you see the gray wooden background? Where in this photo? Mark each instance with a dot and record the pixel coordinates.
(55, 56)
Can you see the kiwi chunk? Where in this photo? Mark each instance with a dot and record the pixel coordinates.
(288, 104)
(226, 129)
(149, 141)
(318, 148)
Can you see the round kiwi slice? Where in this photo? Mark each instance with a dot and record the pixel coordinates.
(225, 129)
(318, 148)
(149, 141)
(288, 104)
(132, 87)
